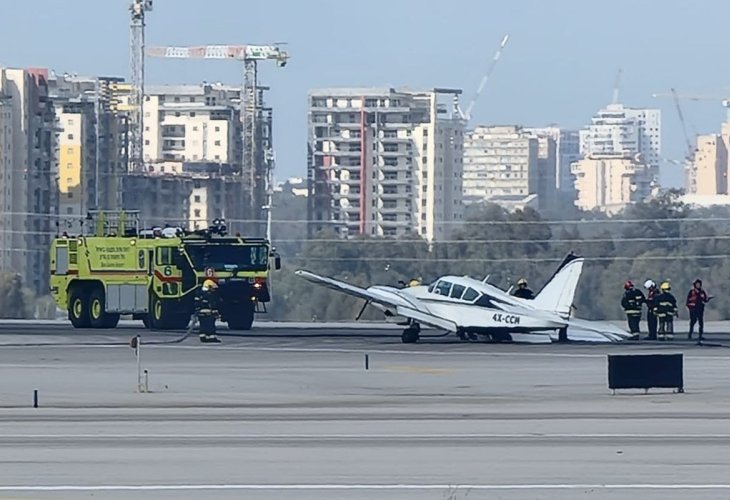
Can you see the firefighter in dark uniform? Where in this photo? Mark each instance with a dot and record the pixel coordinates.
(206, 302)
(523, 292)
(666, 312)
(652, 292)
(696, 300)
(632, 302)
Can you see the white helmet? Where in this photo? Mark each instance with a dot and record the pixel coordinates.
(649, 284)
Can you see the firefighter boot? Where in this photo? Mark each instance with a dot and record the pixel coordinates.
(209, 339)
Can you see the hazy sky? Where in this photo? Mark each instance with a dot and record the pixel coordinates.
(559, 66)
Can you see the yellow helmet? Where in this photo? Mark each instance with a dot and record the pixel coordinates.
(210, 284)
(666, 286)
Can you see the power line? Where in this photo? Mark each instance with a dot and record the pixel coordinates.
(515, 259)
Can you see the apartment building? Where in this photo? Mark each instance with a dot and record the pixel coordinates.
(618, 129)
(385, 162)
(27, 190)
(501, 166)
(92, 144)
(189, 199)
(191, 123)
(567, 151)
(707, 174)
(6, 175)
(611, 181)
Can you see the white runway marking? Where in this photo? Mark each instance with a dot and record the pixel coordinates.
(371, 436)
(423, 487)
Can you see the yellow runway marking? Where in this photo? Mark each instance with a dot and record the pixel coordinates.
(420, 369)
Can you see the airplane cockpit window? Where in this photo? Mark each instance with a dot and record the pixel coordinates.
(470, 295)
(432, 286)
(456, 291)
(443, 288)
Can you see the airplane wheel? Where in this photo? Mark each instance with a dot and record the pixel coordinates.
(409, 336)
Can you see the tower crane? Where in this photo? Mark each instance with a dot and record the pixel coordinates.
(470, 107)
(697, 97)
(137, 10)
(253, 170)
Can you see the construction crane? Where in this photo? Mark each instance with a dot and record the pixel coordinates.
(256, 165)
(690, 150)
(697, 97)
(137, 9)
(467, 114)
(617, 86)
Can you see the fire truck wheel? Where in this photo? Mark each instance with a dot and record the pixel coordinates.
(241, 319)
(97, 308)
(78, 308)
(162, 316)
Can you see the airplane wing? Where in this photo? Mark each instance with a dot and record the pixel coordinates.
(390, 298)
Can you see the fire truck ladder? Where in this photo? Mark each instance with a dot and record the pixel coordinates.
(113, 222)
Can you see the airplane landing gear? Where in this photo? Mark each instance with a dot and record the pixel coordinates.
(463, 335)
(411, 334)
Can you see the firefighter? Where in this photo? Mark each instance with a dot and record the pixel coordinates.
(666, 312)
(523, 292)
(632, 302)
(696, 300)
(205, 310)
(652, 292)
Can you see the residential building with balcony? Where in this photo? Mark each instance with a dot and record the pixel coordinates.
(385, 162)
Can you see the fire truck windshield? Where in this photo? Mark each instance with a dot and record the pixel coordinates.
(227, 257)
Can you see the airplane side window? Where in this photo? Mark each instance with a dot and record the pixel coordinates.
(456, 291)
(431, 287)
(470, 295)
(443, 288)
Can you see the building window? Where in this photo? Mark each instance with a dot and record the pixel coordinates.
(192, 114)
(196, 212)
(197, 198)
(217, 128)
(147, 142)
(217, 143)
(69, 210)
(70, 195)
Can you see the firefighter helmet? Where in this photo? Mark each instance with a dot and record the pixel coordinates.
(522, 282)
(666, 286)
(209, 284)
(649, 284)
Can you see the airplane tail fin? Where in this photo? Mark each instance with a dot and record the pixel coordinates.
(559, 292)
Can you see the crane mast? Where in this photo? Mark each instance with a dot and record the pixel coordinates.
(137, 9)
(256, 164)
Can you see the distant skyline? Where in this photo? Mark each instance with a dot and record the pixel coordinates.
(559, 66)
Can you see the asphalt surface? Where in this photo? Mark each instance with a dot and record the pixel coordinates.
(292, 413)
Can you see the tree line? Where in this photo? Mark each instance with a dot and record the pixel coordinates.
(662, 239)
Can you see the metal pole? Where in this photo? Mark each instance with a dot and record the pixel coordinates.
(139, 363)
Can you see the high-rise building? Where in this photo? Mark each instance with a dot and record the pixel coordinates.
(618, 129)
(707, 174)
(567, 151)
(91, 153)
(191, 123)
(28, 192)
(385, 162)
(610, 181)
(195, 131)
(501, 166)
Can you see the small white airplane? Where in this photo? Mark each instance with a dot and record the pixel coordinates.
(469, 308)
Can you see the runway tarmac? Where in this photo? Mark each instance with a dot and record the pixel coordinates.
(294, 414)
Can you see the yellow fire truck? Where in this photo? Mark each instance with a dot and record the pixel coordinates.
(154, 274)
